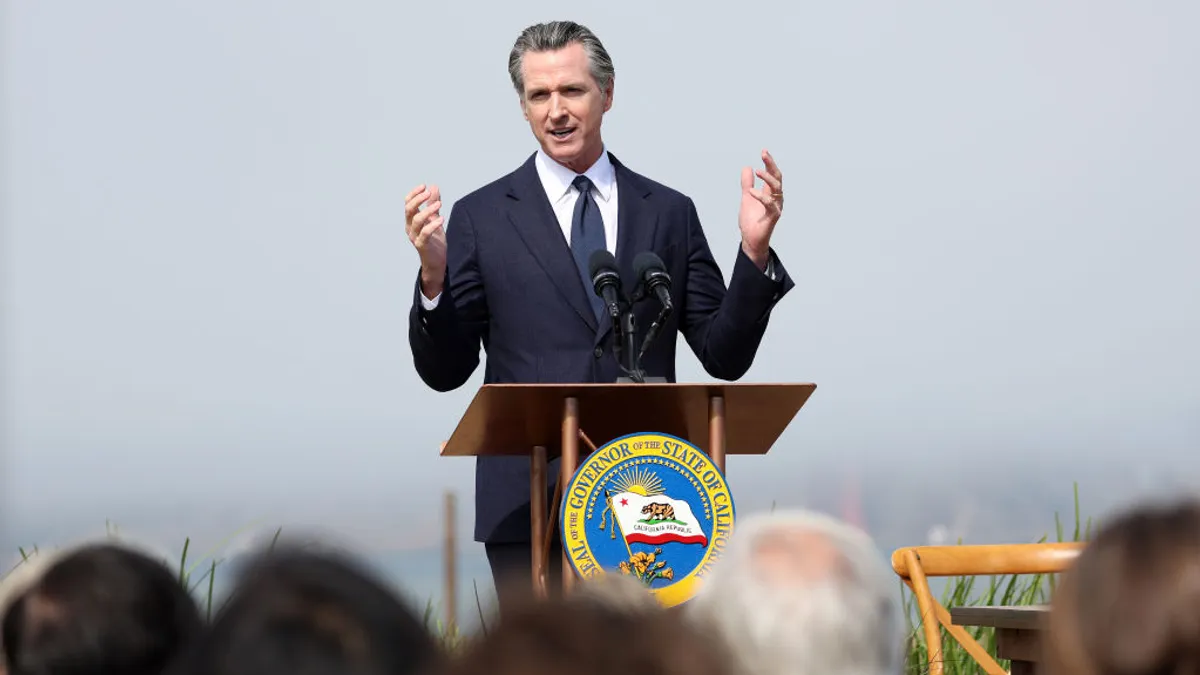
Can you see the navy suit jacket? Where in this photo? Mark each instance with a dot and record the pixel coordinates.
(512, 286)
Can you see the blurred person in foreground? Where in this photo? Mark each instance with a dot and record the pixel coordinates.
(100, 609)
(618, 592)
(22, 575)
(800, 593)
(306, 610)
(1130, 604)
(580, 636)
(16, 580)
(510, 271)
(611, 591)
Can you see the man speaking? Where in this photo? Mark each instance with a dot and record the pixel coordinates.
(510, 271)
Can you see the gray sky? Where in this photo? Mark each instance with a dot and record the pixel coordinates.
(992, 221)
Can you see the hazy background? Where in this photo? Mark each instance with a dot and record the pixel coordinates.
(992, 221)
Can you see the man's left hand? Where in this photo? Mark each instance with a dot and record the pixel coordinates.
(760, 210)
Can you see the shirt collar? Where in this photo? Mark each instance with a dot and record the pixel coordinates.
(556, 178)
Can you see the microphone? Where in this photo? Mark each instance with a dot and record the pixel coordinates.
(606, 281)
(652, 274)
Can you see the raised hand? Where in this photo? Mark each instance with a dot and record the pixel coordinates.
(424, 225)
(760, 209)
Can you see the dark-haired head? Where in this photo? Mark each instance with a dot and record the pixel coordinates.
(101, 608)
(1130, 605)
(583, 636)
(301, 611)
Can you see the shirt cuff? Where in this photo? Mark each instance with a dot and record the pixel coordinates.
(431, 305)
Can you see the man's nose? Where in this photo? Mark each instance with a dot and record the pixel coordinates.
(557, 106)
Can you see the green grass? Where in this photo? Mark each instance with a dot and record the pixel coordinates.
(198, 576)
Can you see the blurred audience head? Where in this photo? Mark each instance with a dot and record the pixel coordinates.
(15, 580)
(800, 593)
(580, 636)
(618, 592)
(21, 575)
(99, 609)
(1130, 604)
(306, 611)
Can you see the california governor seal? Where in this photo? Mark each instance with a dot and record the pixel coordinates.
(651, 506)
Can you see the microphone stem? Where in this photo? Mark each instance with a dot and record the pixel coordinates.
(618, 345)
(652, 332)
(628, 334)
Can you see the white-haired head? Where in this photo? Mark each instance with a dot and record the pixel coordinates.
(800, 593)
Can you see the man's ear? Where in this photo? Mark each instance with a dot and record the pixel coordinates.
(608, 95)
(524, 110)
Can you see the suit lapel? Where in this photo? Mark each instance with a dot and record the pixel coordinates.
(533, 218)
(636, 226)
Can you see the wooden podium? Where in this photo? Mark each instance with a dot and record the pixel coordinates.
(548, 420)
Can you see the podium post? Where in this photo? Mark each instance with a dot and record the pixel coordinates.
(570, 460)
(716, 430)
(544, 420)
(539, 528)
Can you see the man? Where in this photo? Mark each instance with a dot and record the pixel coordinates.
(799, 593)
(512, 271)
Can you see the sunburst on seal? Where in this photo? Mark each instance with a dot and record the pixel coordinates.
(639, 481)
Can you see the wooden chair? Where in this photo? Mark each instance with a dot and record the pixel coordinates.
(916, 564)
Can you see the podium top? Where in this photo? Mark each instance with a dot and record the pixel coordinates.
(511, 419)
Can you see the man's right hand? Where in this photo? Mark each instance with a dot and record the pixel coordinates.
(425, 231)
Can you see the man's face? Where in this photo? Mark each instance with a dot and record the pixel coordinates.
(564, 105)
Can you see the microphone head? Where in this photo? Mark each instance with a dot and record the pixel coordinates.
(645, 262)
(602, 261)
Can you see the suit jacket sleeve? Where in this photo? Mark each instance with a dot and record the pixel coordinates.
(445, 341)
(725, 327)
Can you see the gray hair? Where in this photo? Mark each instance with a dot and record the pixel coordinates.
(548, 37)
(846, 622)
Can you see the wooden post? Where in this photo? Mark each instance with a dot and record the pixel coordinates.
(716, 431)
(570, 460)
(451, 592)
(537, 508)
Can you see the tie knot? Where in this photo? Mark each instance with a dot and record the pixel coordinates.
(582, 183)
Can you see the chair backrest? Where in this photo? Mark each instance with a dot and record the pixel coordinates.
(988, 559)
(914, 564)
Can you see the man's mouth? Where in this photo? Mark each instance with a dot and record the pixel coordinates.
(562, 134)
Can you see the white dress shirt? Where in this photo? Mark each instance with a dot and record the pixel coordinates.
(557, 182)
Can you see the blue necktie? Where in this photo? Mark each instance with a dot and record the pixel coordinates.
(587, 236)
